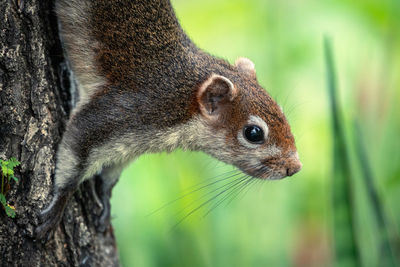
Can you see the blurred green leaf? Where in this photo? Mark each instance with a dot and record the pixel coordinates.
(9, 172)
(346, 249)
(3, 200)
(386, 249)
(4, 169)
(15, 178)
(13, 162)
(10, 211)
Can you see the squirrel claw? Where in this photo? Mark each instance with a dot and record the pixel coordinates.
(102, 225)
(102, 197)
(103, 221)
(45, 230)
(43, 233)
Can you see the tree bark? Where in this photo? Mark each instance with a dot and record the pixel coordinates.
(35, 101)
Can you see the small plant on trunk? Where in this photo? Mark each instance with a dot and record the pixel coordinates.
(7, 173)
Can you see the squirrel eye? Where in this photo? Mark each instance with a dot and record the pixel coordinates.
(254, 134)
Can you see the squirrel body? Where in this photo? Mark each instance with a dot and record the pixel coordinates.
(145, 87)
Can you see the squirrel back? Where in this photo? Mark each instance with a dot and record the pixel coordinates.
(130, 44)
(135, 56)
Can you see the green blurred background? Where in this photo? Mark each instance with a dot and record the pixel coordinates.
(302, 220)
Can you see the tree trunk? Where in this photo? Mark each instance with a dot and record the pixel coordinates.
(35, 101)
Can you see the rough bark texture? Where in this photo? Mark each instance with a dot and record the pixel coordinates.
(34, 106)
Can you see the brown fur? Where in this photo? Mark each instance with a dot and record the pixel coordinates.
(145, 87)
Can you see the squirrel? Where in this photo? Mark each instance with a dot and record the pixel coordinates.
(145, 87)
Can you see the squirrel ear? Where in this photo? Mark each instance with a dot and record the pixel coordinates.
(246, 65)
(214, 94)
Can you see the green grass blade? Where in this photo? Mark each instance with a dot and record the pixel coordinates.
(346, 250)
(386, 250)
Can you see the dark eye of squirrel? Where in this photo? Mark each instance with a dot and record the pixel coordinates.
(254, 134)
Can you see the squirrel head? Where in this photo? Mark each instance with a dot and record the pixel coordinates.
(244, 126)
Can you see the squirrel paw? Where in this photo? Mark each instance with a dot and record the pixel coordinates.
(103, 221)
(49, 219)
(101, 196)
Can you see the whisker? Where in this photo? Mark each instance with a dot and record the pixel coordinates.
(252, 182)
(233, 192)
(206, 202)
(196, 189)
(213, 178)
(226, 192)
(214, 190)
(244, 189)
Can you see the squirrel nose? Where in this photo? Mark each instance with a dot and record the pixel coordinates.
(293, 168)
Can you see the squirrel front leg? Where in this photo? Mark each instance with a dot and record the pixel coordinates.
(75, 163)
(67, 180)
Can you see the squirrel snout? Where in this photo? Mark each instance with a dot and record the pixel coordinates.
(294, 167)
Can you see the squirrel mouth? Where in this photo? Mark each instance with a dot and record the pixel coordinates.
(274, 168)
